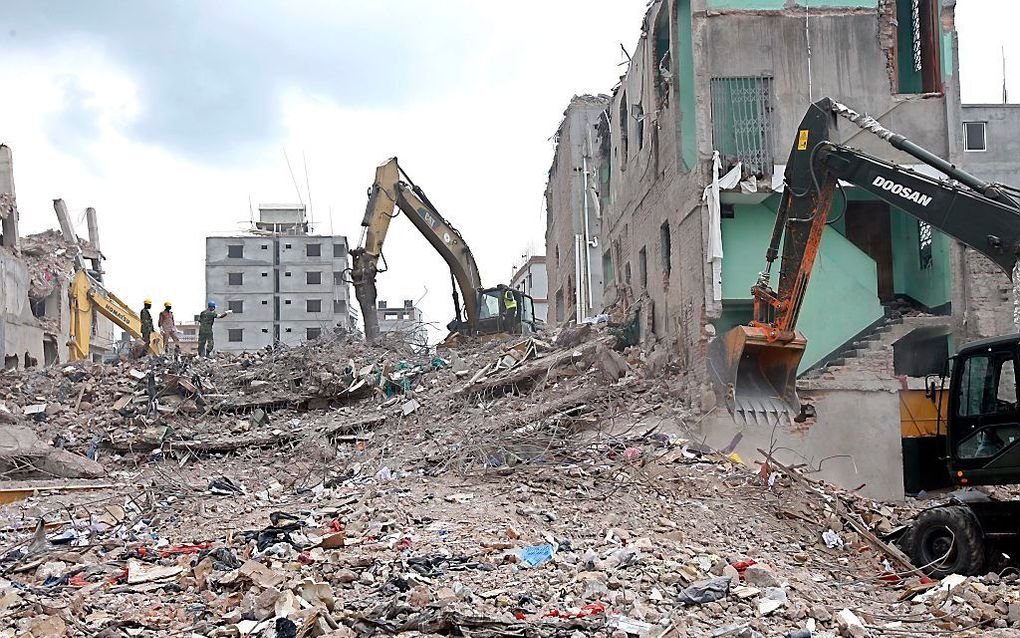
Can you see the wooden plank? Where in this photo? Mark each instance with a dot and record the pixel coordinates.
(892, 552)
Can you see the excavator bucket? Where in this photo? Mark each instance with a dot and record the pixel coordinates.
(757, 378)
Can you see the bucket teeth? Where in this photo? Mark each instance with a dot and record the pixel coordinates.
(755, 377)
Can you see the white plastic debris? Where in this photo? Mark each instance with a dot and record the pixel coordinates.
(832, 539)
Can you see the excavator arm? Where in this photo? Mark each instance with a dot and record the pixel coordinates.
(88, 294)
(391, 192)
(755, 366)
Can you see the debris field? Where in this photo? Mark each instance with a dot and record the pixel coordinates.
(516, 487)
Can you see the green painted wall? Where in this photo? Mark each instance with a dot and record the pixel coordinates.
(946, 52)
(841, 301)
(685, 85)
(781, 4)
(930, 286)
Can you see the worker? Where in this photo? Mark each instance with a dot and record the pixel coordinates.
(206, 319)
(510, 303)
(168, 327)
(146, 322)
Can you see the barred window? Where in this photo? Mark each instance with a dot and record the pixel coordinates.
(924, 239)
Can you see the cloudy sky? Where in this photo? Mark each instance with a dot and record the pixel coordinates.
(169, 117)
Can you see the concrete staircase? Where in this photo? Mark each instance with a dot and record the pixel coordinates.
(870, 354)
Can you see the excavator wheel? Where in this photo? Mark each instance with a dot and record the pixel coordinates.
(947, 540)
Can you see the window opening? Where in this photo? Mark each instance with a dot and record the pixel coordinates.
(235, 251)
(661, 51)
(974, 136)
(924, 239)
(643, 266)
(917, 46)
(624, 128)
(666, 247)
(742, 120)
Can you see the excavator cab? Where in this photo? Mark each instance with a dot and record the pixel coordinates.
(495, 317)
(980, 414)
(977, 442)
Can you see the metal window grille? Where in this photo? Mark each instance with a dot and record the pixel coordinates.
(742, 120)
(924, 244)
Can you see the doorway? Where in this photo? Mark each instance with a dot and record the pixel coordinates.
(869, 228)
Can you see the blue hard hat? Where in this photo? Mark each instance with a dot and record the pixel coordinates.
(212, 304)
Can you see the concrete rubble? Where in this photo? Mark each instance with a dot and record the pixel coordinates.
(530, 489)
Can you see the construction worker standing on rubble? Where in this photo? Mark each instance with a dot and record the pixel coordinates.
(146, 317)
(168, 327)
(205, 328)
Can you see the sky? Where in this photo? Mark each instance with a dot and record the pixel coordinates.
(170, 118)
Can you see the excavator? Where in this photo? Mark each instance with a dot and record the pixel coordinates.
(754, 366)
(87, 294)
(485, 310)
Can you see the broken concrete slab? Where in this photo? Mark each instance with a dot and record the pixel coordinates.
(24, 455)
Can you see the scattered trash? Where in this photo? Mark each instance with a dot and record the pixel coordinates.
(832, 539)
(705, 591)
(535, 555)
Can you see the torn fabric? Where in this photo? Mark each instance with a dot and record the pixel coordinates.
(711, 196)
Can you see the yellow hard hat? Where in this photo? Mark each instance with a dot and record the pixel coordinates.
(148, 301)
(167, 304)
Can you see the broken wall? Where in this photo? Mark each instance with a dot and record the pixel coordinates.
(990, 298)
(20, 333)
(565, 212)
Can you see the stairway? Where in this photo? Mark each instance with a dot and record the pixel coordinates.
(870, 353)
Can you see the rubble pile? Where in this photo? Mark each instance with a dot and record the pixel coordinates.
(520, 487)
(49, 256)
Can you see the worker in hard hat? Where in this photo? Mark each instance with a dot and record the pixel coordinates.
(146, 317)
(510, 306)
(168, 326)
(206, 319)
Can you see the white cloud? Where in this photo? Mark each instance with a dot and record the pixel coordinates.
(478, 144)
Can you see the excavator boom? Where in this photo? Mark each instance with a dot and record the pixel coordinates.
(393, 190)
(86, 295)
(755, 366)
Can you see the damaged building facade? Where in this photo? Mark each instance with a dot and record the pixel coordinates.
(282, 283)
(35, 277)
(713, 93)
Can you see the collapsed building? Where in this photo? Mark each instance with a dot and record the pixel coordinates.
(35, 278)
(712, 95)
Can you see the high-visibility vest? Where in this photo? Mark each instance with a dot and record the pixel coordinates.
(509, 301)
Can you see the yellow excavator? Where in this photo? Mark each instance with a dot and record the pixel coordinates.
(87, 295)
(486, 311)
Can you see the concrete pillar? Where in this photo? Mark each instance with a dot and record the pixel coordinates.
(10, 223)
(90, 216)
(67, 229)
